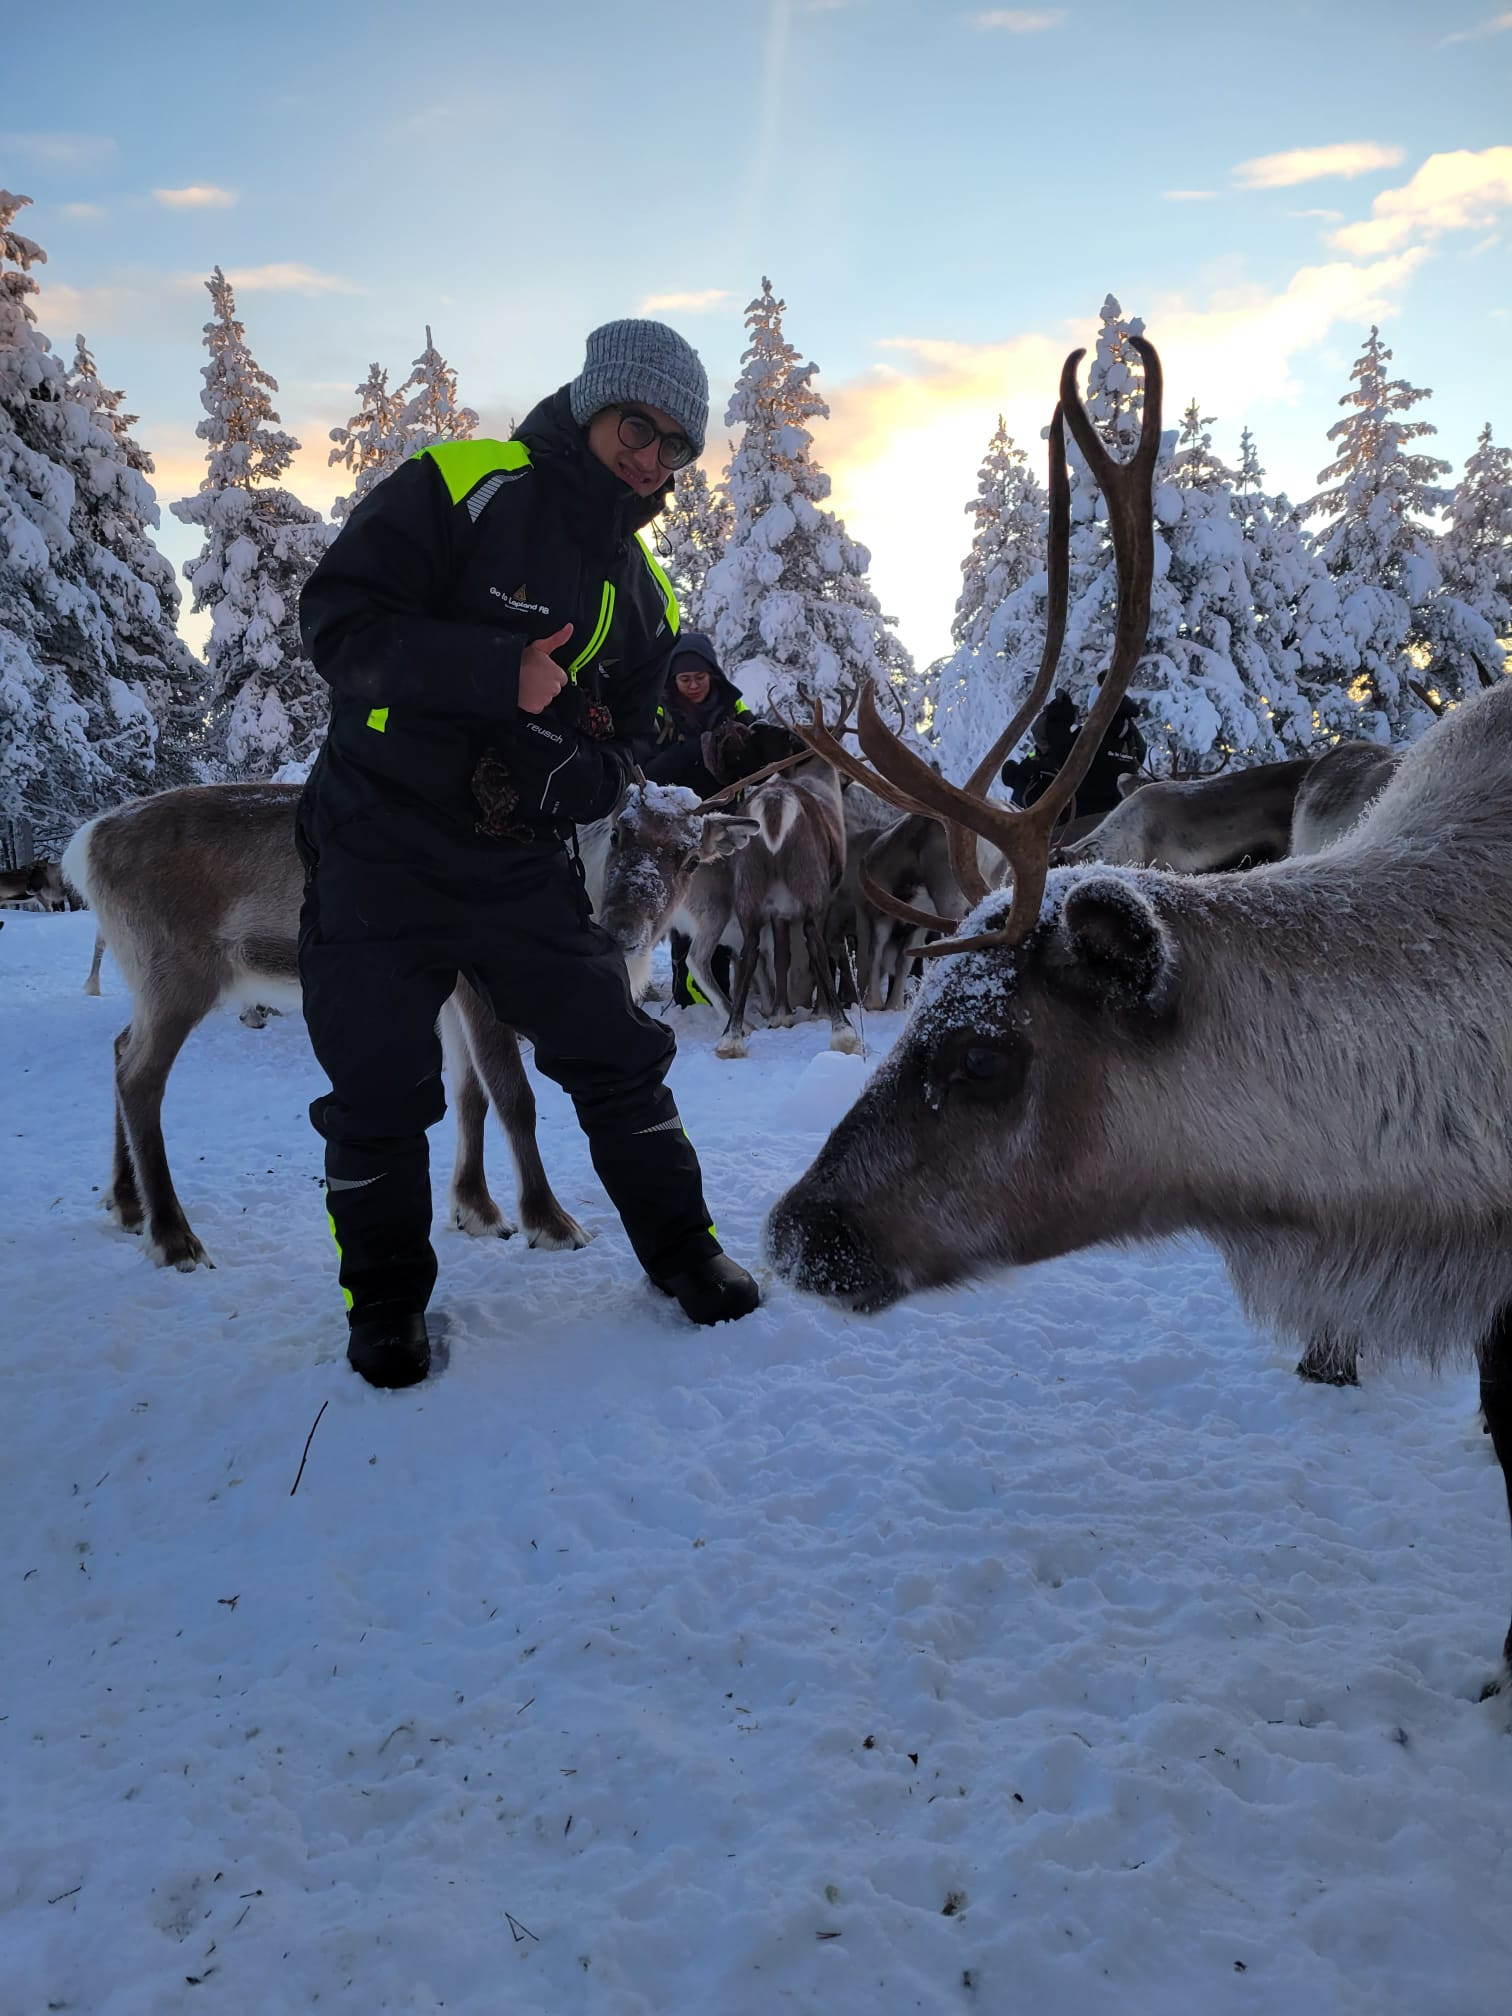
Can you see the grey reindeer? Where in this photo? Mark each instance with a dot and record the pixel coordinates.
(1310, 1064)
(197, 893)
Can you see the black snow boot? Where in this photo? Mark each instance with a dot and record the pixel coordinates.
(712, 1290)
(389, 1346)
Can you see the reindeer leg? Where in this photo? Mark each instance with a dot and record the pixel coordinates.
(842, 1036)
(733, 1042)
(92, 984)
(700, 965)
(144, 1057)
(122, 1200)
(473, 1209)
(782, 1016)
(1496, 1403)
(496, 1054)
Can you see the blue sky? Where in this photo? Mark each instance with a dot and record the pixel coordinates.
(942, 195)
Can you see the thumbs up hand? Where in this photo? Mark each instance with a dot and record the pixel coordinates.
(541, 678)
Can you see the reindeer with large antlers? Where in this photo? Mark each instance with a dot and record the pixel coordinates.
(1114, 1054)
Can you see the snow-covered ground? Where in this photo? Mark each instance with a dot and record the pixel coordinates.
(1043, 1647)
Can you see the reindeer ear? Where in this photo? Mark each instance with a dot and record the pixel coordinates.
(1112, 946)
(1129, 782)
(725, 833)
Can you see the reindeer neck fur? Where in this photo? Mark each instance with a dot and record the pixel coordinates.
(1333, 1103)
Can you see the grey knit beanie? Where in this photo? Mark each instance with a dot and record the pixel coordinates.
(643, 360)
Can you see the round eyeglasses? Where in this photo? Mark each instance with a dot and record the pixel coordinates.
(638, 430)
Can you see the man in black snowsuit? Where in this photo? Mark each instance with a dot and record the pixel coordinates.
(698, 701)
(494, 633)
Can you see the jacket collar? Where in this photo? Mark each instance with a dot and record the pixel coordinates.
(603, 512)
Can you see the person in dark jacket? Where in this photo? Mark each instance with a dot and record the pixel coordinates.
(697, 702)
(1055, 731)
(494, 634)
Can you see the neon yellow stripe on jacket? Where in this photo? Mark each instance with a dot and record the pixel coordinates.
(466, 464)
(674, 620)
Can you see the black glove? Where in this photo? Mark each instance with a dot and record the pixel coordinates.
(548, 770)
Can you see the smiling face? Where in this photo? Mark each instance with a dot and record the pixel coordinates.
(639, 469)
(692, 681)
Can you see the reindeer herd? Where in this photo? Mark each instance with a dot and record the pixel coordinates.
(1273, 1006)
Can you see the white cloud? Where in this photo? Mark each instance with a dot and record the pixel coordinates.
(59, 150)
(1462, 191)
(1020, 20)
(1346, 158)
(284, 277)
(904, 442)
(198, 196)
(689, 304)
(1190, 195)
(1499, 24)
(85, 213)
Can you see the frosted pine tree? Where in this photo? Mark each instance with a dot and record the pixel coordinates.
(1470, 618)
(691, 536)
(975, 690)
(1007, 537)
(794, 615)
(76, 730)
(1309, 655)
(267, 704)
(373, 442)
(1374, 542)
(119, 510)
(1206, 649)
(433, 414)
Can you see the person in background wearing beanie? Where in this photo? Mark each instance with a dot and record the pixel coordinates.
(495, 635)
(698, 700)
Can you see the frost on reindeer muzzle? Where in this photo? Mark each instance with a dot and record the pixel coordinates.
(814, 1245)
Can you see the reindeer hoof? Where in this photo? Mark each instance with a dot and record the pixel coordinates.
(562, 1235)
(847, 1040)
(181, 1250)
(730, 1046)
(482, 1220)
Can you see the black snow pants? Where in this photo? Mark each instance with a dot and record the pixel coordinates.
(380, 946)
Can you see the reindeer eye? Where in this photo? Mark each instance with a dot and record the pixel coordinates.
(614, 836)
(985, 1065)
(991, 1071)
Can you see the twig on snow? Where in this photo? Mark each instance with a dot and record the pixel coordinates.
(308, 1440)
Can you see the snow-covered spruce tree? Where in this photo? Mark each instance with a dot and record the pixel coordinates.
(1207, 645)
(793, 613)
(267, 704)
(433, 414)
(373, 442)
(134, 580)
(1309, 655)
(691, 536)
(1470, 618)
(1375, 543)
(77, 732)
(1007, 537)
(974, 691)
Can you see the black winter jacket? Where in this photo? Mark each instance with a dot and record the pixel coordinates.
(419, 612)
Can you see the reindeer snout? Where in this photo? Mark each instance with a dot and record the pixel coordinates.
(813, 1244)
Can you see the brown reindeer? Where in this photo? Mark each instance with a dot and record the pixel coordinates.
(197, 891)
(784, 878)
(1121, 1054)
